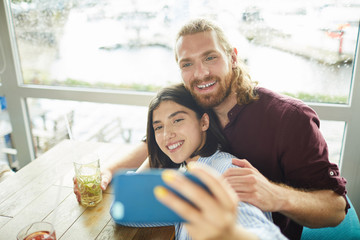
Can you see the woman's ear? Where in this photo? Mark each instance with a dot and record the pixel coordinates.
(205, 122)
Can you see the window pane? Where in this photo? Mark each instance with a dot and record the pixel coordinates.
(118, 123)
(7, 148)
(303, 48)
(87, 121)
(333, 132)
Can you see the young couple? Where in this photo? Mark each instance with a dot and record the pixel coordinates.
(286, 170)
(180, 132)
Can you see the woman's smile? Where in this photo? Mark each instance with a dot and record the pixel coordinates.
(173, 146)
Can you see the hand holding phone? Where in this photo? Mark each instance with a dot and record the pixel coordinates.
(135, 202)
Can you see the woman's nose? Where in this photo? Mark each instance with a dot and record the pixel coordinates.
(168, 132)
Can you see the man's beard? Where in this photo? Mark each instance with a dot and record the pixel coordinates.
(215, 98)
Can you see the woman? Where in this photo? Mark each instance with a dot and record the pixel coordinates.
(179, 133)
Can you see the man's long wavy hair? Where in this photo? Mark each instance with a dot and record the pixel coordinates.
(242, 84)
(179, 94)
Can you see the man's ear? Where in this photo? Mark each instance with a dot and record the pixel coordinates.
(234, 58)
(205, 122)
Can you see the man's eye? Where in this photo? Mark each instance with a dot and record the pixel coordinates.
(185, 65)
(210, 58)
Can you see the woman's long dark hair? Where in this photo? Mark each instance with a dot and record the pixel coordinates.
(178, 94)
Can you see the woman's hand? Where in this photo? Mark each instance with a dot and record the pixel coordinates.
(214, 215)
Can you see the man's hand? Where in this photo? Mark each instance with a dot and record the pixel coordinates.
(76, 190)
(106, 177)
(320, 208)
(252, 187)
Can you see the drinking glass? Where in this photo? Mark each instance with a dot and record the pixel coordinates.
(87, 173)
(37, 231)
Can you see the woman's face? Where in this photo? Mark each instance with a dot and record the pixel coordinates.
(178, 131)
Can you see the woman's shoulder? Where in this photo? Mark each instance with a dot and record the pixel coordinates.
(220, 161)
(217, 155)
(226, 155)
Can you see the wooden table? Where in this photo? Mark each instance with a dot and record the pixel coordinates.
(43, 191)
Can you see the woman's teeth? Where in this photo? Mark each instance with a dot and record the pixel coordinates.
(173, 146)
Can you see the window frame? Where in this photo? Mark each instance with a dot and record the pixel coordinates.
(16, 93)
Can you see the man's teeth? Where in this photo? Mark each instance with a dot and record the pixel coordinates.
(173, 146)
(205, 85)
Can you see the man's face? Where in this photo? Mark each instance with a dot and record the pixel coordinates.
(205, 68)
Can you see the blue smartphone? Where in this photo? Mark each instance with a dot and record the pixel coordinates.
(135, 202)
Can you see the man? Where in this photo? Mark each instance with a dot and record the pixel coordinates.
(278, 135)
(287, 170)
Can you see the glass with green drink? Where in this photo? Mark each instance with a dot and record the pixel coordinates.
(87, 172)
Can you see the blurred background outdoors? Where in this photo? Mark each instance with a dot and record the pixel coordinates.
(301, 48)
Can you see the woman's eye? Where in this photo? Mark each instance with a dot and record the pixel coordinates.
(157, 128)
(178, 120)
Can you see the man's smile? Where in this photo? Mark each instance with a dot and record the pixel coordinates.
(207, 85)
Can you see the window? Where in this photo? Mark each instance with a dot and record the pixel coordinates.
(304, 49)
(333, 132)
(67, 44)
(55, 120)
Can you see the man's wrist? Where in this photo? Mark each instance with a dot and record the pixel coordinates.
(284, 195)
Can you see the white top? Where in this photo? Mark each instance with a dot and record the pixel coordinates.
(250, 217)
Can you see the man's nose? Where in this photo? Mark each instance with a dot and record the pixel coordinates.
(201, 71)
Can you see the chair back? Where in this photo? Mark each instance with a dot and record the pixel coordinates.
(348, 229)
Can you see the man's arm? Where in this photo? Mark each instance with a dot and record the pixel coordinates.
(132, 160)
(321, 208)
(314, 209)
(145, 166)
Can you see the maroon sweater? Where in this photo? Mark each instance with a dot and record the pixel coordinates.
(280, 137)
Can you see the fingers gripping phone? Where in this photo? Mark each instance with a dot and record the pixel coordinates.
(135, 202)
